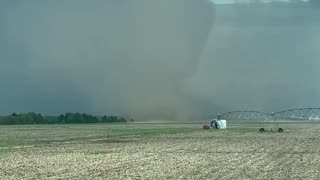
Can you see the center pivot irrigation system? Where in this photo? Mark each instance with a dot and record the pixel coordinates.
(311, 114)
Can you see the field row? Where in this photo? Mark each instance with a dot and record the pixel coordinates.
(237, 153)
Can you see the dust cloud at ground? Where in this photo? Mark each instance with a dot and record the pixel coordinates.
(157, 59)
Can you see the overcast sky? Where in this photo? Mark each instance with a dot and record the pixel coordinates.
(156, 58)
(246, 1)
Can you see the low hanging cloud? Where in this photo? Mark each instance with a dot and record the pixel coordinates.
(157, 59)
(118, 56)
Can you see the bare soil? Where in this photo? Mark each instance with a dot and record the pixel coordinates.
(237, 153)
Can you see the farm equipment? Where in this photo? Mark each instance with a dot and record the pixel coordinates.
(274, 122)
(216, 124)
(250, 117)
(270, 130)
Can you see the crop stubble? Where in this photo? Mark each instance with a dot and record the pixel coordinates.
(230, 154)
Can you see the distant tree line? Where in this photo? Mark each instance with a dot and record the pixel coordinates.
(67, 118)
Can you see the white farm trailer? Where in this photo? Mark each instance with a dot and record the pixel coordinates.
(218, 124)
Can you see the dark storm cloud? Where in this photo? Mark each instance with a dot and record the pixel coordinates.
(123, 57)
(262, 58)
(157, 59)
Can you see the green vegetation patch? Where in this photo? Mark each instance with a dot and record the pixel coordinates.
(19, 137)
